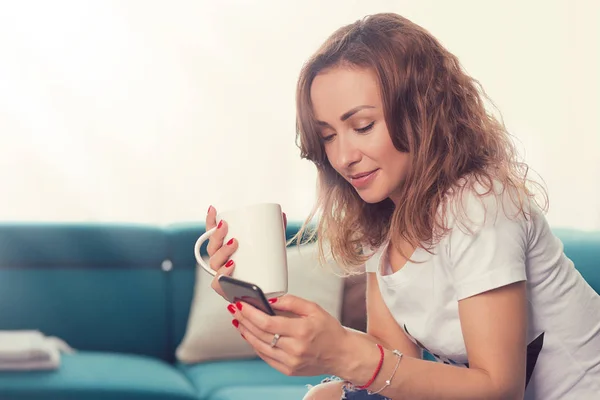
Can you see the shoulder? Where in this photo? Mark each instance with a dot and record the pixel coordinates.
(480, 217)
(488, 236)
(473, 205)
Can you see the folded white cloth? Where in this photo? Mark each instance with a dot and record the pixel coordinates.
(30, 350)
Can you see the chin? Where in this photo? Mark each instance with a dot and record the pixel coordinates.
(373, 197)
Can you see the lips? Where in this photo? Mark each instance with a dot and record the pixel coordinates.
(362, 174)
(363, 180)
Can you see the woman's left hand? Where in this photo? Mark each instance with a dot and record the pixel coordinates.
(310, 342)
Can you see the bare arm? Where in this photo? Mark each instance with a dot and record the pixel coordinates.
(494, 326)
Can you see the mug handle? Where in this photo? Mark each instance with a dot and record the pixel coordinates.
(197, 246)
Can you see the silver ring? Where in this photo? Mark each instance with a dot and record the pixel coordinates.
(275, 339)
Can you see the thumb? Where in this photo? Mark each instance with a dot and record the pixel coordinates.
(294, 304)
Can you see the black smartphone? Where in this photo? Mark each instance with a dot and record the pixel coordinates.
(236, 290)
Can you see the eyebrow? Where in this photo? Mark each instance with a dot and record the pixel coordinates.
(347, 114)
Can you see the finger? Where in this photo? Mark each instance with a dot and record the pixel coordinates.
(222, 256)
(279, 366)
(284, 220)
(248, 314)
(226, 269)
(260, 346)
(246, 326)
(211, 218)
(216, 239)
(294, 304)
(217, 288)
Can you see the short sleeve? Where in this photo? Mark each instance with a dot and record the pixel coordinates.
(490, 250)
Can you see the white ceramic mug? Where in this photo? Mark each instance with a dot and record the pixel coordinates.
(261, 256)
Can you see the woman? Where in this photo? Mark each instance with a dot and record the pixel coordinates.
(419, 182)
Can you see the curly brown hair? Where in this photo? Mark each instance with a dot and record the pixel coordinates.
(434, 112)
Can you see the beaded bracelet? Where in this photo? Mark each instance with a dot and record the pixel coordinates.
(389, 381)
(366, 385)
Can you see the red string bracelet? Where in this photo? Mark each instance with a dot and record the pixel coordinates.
(366, 385)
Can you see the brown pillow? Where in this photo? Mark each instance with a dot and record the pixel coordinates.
(354, 303)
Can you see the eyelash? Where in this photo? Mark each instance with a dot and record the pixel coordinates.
(359, 130)
(366, 128)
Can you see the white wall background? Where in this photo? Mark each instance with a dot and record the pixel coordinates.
(149, 111)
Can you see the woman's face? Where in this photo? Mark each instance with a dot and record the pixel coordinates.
(347, 103)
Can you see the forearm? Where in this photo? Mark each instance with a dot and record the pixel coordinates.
(358, 335)
(416, 378)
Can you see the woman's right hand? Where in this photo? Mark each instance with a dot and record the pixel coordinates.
(218, 251)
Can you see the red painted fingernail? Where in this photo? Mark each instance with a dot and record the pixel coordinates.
(273, 300)
(231, 308)
(229, 263)
(209, 208)
(230, 242)
(235, 323)
(220, 224)
(239, 305)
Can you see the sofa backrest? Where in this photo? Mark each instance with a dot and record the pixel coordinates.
(98, 287)
(583, 248)
(181, 239)
(129, 288)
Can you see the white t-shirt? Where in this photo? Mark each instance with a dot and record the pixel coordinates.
(564, 311)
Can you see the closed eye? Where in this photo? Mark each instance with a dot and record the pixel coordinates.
(365, 129)
(328, 138)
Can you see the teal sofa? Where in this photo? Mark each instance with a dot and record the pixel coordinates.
(120, 295)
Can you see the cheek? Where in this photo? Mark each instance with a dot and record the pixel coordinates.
(379, 145)
(395, 161)
(332, 158)
(401, 164)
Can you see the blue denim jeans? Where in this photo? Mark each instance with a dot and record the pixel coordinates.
(352, 393)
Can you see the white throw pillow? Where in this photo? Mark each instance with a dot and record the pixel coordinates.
(210, 334)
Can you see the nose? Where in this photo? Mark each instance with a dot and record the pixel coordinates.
(348, 151)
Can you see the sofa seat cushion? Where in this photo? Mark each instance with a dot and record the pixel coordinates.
(99, 376)
(270, 392)
(210, 376)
